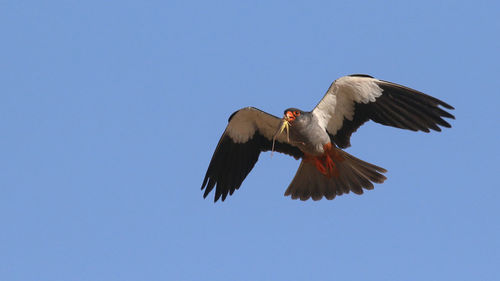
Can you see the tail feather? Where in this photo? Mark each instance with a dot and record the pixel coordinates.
(353, 175)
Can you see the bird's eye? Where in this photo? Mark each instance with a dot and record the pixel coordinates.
(296, 113)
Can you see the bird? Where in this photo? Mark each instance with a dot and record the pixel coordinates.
(318, 137)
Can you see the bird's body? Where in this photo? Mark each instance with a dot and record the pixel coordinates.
(318, 137)
(307, 135)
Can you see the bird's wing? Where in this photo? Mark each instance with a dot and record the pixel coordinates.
(248, 132)
(352, 100)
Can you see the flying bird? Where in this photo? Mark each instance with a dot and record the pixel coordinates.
(317, 137)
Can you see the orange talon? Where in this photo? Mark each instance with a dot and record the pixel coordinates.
(326, 163)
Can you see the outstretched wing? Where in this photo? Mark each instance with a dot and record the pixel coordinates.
(248, 132)
(352, 100)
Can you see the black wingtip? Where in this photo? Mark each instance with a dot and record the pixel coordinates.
(204, 182)
(205, 194)
(445, 105)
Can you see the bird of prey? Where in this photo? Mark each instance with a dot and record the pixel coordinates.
(317, 137)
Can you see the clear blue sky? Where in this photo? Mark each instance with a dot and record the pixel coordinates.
(111, 110)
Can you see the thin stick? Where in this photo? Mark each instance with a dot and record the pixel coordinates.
(284, 125)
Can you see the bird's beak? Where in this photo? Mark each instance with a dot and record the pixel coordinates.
(289, 116)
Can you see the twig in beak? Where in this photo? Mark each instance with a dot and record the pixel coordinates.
(284, 125)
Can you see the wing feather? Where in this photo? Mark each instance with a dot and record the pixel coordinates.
(353, 100)
(249, 131)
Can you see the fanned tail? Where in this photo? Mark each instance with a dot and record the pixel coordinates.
(347, 173)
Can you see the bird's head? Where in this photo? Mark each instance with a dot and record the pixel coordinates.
(291, 114)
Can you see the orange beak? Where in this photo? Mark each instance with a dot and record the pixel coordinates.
(289, 116)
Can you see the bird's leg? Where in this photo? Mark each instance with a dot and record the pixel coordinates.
(326, 163)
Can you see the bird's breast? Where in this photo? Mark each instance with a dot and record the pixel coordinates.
(309, 139)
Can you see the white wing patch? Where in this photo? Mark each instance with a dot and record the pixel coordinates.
(246, 121)
(241, 127)
(338, 102)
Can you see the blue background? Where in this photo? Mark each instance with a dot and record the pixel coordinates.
(110, 112)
